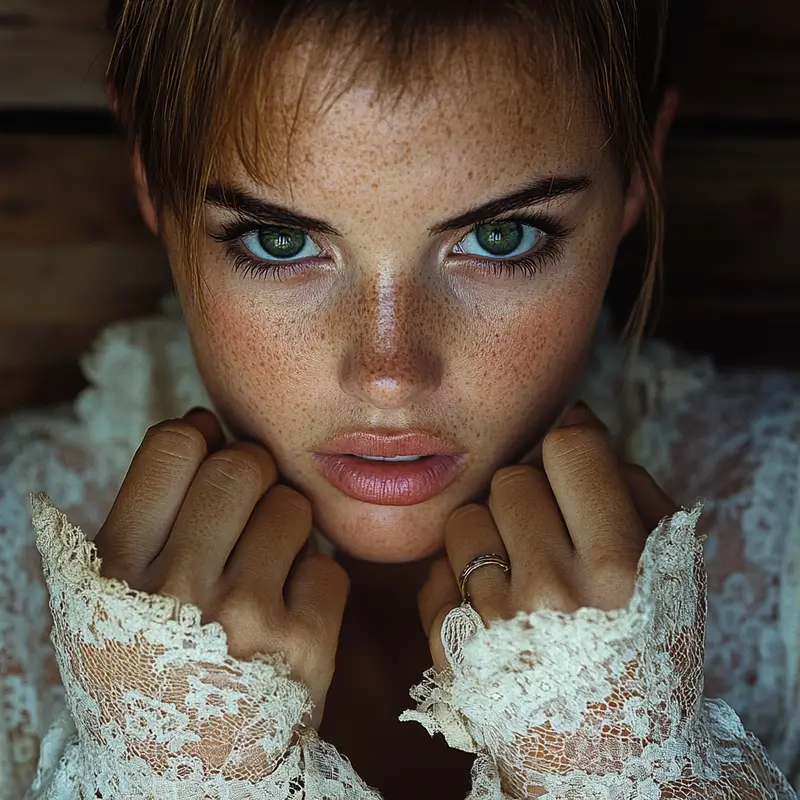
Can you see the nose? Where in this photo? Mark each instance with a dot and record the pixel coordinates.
(391, 360)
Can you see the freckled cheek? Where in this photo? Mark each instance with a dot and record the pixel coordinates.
(533, 359)
(252, 367)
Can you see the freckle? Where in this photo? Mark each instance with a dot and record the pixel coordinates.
(374, 185)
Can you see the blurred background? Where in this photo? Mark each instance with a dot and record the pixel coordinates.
(74, 255)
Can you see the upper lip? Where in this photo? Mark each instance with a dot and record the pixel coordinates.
(386, 444)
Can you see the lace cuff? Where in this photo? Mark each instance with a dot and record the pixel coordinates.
(598, 704)
(158, 707)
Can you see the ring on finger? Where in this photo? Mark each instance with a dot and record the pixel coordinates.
(485, 560)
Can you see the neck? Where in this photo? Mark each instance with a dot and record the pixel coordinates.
(386, 590)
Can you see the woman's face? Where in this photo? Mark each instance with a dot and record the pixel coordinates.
(423, 283)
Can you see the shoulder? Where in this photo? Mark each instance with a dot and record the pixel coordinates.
(740, 429)
(732, 438)
(37, 449)
(689, 422)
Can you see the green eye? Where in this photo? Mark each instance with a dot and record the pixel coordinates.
(500, 238)
(282, 242)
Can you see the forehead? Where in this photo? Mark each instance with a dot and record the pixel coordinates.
(476, 118)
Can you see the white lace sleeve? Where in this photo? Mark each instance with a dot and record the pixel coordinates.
(47, 451)
(140, 372)
(598, 704)
(157, 707)
(143, 372)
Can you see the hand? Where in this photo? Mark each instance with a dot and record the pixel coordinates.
(573, 532)
(208, 524)
(557, 704)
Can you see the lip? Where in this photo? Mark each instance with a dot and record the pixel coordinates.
(390, 484)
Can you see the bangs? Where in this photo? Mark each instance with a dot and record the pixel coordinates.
(201, 84)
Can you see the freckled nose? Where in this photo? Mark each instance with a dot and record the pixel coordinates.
(389, 382)
(391, 361)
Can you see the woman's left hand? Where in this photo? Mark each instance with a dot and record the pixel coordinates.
(572, 532)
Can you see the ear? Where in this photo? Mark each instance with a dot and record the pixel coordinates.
(635, 199)
(143, 200)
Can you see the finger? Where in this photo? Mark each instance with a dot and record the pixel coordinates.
(527, 516)
(581, 414)
(153, 491)
(275, 533)
(440, 590)
(435, 644)
(651, 501)
(437, 598)
(214, 513)
(209, 425)
(316, 594)
(586, 479)
(470, 532)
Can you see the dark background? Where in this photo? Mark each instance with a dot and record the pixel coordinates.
(74, 255)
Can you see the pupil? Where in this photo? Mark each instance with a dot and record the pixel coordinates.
(282, 242)
(499, 238)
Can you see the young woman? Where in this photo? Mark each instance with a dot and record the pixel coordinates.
(391, 227)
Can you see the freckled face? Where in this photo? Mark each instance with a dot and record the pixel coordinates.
(387, 321)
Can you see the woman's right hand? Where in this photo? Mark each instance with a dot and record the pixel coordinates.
(208, 523)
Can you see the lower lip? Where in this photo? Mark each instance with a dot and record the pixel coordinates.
(390, 483)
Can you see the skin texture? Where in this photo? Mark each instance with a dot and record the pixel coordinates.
(572, 532)
(393, 331)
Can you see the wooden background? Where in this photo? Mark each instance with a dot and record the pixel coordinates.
(74, 256)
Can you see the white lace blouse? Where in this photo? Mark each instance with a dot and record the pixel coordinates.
(110, 692)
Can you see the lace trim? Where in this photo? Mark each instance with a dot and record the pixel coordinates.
(599, 704)
(160, 707)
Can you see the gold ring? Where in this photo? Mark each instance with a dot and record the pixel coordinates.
(477, 563)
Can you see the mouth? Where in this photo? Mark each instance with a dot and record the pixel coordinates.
(390, 469)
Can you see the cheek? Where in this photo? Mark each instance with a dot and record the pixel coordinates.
(251, 364)
(524, 364)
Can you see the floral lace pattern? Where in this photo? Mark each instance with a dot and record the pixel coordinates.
(747, 428)
(159, 706)
(629, 721)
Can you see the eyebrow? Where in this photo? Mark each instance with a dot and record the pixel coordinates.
(539, 191)
(254, 208)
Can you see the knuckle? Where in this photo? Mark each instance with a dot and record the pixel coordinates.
(231, 469)
(291, 499)
(515, 472)
(303, 654)
(249, 622)
(614, 575)
(464, 512)
(512, 475)
(181, 585)
(575, 442)
(338, 573)
(554, 596)
(176, 438)
(306, 630)
(243, 609)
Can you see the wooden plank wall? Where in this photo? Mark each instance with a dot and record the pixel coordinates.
(74, 255)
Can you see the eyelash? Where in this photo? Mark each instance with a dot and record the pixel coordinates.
(554, 233)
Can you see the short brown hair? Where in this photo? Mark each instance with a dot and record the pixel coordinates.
(184, 70)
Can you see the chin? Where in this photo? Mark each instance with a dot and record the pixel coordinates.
(383, 534)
